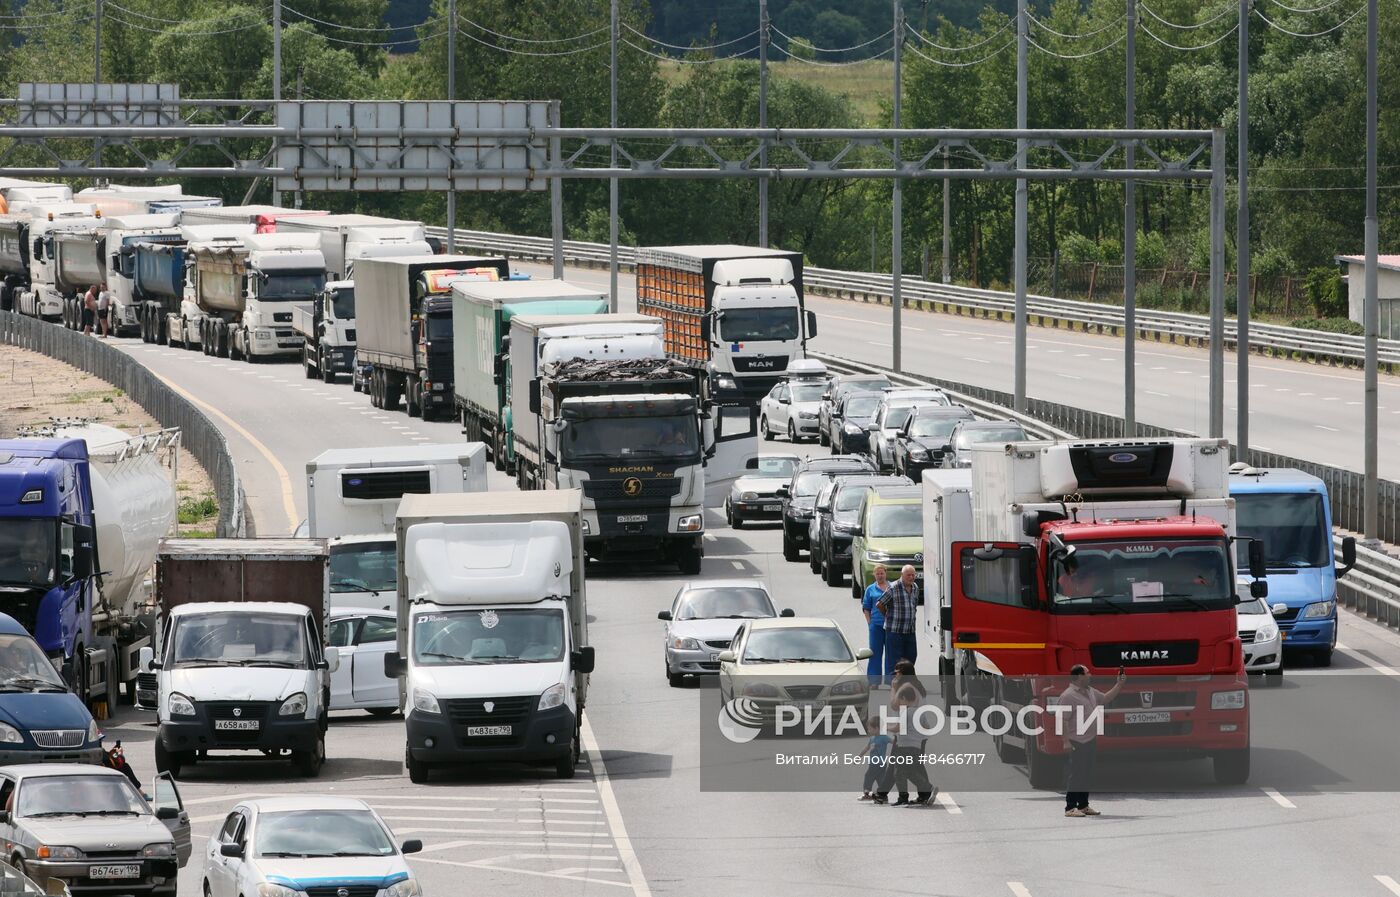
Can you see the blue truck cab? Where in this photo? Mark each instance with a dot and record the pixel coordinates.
(1289, 512)
(41, 721)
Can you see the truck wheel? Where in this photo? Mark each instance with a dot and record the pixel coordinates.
(688, 559)
(1046, 773)
(308, 763)
(327, 373)
(567, 766)
(167, 761)
(1231, 767)
(417, 769)
(790, 550)
(306, 363)
(158, 327)
(763, 428)
(7, 297)
(392, 392)
(413, 398)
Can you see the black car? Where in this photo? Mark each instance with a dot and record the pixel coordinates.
(925, 438)
(851, 422)
(800, 495)
(841, 386)
(831, 546)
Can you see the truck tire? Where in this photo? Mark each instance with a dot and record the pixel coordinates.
(392, 392)
(308, 763)
(7, 297)
(168, 761)
(763, 428)
(417, 769)
(327, 372)
(158, 324)
(1231, 767)
(413, 397)
(688, 559)
(568, 766)
(1046, 773)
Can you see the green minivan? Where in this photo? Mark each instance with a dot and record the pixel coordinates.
(891, 532)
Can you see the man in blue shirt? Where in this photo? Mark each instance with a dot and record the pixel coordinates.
(875, 621)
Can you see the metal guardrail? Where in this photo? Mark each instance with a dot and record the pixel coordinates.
(1274, 339)
(198, 433)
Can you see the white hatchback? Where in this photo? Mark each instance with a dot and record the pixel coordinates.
(1259, 634)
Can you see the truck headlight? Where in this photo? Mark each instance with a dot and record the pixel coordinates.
(1266, 633)
(162, 850)
(10, 735)
(724, 382)
(1319, 610)
(851, 687)
(293, 706)
(180, 705)
(685, 644)
(1227, 700)
(406, 888)
(691, 523)
(552, 697)
(268, 889)
(424, 702)
(53, 852)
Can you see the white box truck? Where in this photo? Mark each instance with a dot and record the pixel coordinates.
(345, 238)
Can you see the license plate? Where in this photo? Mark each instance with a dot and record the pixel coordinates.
(1161, 716)
(114, 871)
(772, 509)
(474, 731)
(631, 518)
(238, 725)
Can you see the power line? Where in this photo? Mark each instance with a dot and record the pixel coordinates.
(1277, 27)
(1097, 31)
(512, 50)
(1205, 46)
(831, 65)
(1224, 13)
(680, 59)
(383, 43)
(1108, 46)
(162, 19)
(960, 65)
(176, 25)
(817, 49)
(529, 40)
(689, 49)
(1307, 9)
(937, 46)
(379, 28)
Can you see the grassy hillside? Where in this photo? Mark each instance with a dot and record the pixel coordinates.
(865, 84)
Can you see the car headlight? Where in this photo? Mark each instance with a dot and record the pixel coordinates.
(749, 496)
(268, 889)
(916, 452)
(873, 555)
(839, 527)
(1320, 610)
(293, 706)
(685, 644)
(164, 849)
(180, 705)
(93, 733)
(851, 687)
(691, 523)
(425, 702)
(760, 690)
(1227, 700)
(10, 735)
(49, 852)
(851, 429)
(807, 415)
(1266, 633)
(552, 697)
(406, 888)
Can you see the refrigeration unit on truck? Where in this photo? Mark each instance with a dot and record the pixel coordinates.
(247, 293)
(117, 201)
(165, 280)
(347, 238)
(352, 495)
(43, 298)
(403, 314)
(1288, 512)
(1110, 554)
(82, 509)
(242, 662)
(16, 192)
(734, 312)
(263, 218)
(481, 314)
(123, 235)
(492, 648)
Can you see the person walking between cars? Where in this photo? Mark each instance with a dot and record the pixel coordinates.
(900, 607)
(89, 314)
(1081, 736)
(877, 754)
(906, 759)
(875, 623)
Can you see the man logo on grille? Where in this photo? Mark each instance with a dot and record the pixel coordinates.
(632, 487)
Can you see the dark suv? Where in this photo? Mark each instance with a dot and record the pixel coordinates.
(800, 495)
(925, 438)
(831, 546)
(841, 386)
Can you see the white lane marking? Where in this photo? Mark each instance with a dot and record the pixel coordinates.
(1389, 884)
(603, 783)
(487, 864)
(1057, 351)
(1330, 399)
(945, 800)
(1070, 377)
(1304, 395)
(1159, 368)
(1279, 799)
(1081, 355)
(1353, 403)
(884, 345)
(902, 325)
(979, 360)
(1282, 390)
(266, 377)
(1162, 395)
(1018, 889)
(1328, 429)
(400, 428)
(1378, 667)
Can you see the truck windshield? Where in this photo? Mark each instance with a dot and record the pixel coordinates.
(343, 303)
(590, 439)
(28, 551)
(496, 635)
(1144, 576)
(439, 327)
(1292, 526)
(896, 521)
(24, 665)
(239, 638)
(364, 567)
(739, 324)
(292, 285)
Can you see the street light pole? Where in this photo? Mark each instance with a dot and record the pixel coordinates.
(1019, 258)
(612, 182)
(763, 120)
(1242, 276)
(897, 211)
(1370, 496)
(1130, 235)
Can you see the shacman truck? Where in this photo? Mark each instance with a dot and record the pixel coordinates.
(596, 405)
(403, 313)
(1111, 554)
(481, 314)
(493, 653)
(733, 312)
(82, 509)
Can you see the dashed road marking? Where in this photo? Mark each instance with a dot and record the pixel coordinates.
(1279, 799)
(945, 800)
(1389, 884)
(1018, 889)
(1328, 429)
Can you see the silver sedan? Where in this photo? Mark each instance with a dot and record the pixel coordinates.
(702, 622)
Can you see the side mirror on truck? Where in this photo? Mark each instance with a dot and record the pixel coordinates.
(705, 329)
(1348, 556)
(534, 396)
(811, 324)
(1259, 588)
(83, 537)
(394, 666)
(582, 659)
(1257, 566)
(332, 660)
(146, 660)
(498, 369)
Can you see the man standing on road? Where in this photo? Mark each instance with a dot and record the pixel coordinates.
(104, 311)
(1082, 740)
(900, 607)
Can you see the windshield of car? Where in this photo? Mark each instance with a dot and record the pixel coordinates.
(876, 385)
(1292, 526)
(896, 415)
(814, 644)
(90, 795)
(292, 285)
(808, 484)
(1144, 576)
(896, 520)
(322, 833)
(977, 435)
(24, 665)
(505, 635)
(239, 638)
(343, 303)
(736, 602)
(1251, 607)
(364, 567)
(28, 551)
(862, 406)
(596, 438)
(775, 467)
(851, 498)
(939, 427)
(824, 497)
(738, 325)
(807, 390)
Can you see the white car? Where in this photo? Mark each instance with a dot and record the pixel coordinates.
(898, 404)
(754, 496)
(793, 661)
(1259, 634)
(307, 847)
(703, 619)
(791, 407)
(363, 636)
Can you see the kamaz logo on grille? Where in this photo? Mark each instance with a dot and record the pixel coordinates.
(1145, 654)
(1147, 698)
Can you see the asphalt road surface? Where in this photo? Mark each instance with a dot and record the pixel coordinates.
(636, 819)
